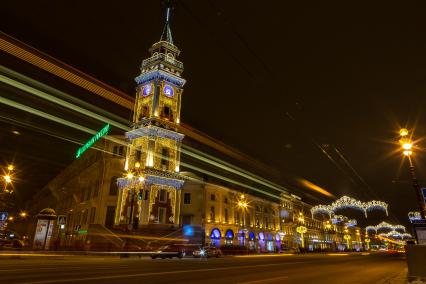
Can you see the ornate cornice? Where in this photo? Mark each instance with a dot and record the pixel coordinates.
(161, 75)
(154, 131)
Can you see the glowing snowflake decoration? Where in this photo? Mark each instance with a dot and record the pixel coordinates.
(412, 216)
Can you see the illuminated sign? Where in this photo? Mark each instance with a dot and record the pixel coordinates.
(92, 141)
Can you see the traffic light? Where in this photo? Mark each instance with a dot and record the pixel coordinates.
(140, 196)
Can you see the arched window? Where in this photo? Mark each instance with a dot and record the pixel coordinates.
(252, 236)
(261, 236)
(215, 234)
(113, 187)
(215, 237)
(229, 234)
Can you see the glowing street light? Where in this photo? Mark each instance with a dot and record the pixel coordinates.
(10, 167)
(407, 145)
(301, 219)
(407, 149)
(7, 178)
(23, 214)
(403, 132)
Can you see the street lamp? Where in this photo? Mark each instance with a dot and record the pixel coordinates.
(242, 204)
(407, 146)
(7, 178)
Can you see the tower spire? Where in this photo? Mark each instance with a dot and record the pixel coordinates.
(167, 33)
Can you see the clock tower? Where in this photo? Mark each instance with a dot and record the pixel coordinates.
(148, 191)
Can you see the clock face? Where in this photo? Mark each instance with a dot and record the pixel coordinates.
(146, 91)
(168, 91)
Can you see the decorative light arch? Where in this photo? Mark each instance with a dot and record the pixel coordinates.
(395, 234)
(385, 226)
(349, 202)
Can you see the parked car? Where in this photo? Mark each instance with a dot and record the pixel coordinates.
(207, 252)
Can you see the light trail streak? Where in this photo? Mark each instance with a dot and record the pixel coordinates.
(63, 103)
(55, 119)
(57, 93)
(62, 70)
(230, 168)
(229, 180)
(315, 187)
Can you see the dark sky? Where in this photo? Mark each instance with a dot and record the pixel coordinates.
(277, 79)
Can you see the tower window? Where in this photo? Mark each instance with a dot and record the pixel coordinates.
(165, 153)
(145, 111)
(163, 195)
(138, 154)
(166, 113)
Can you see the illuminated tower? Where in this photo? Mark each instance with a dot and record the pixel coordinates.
(149, 190)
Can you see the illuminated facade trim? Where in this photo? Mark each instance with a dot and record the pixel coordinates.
(160, 75)
(153, 131)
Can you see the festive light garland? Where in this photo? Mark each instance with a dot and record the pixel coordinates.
(396, 234)
(385, 225)
(348, 202)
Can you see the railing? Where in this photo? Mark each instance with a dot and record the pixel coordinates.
(163, 57)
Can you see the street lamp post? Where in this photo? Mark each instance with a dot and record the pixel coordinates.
(407, 146)
(7, 177)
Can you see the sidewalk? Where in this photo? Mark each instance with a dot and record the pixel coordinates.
(402, 278)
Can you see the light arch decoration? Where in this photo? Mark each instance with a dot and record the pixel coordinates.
(385, 226)
(396, 235)
(349, 202)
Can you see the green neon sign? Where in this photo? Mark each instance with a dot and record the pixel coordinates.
(92, 141)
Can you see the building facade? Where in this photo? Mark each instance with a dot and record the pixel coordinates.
(86, 191)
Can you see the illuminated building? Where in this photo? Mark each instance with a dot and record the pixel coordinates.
(149, 191)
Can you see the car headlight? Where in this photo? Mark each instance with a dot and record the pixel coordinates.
(202, 252)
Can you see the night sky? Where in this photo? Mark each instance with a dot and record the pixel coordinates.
(283, 82)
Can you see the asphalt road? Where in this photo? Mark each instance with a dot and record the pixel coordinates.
(342, 269)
